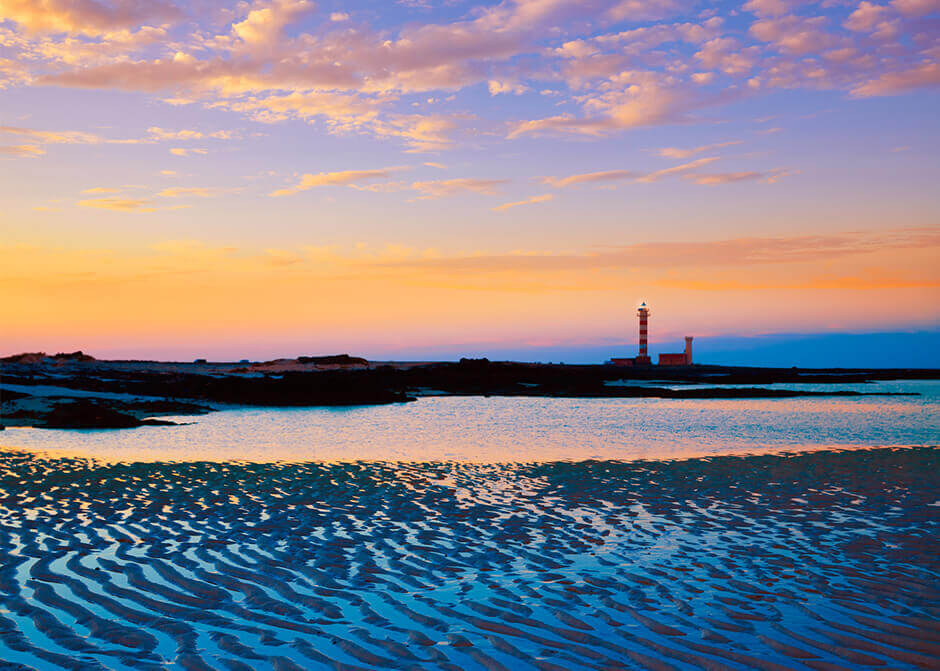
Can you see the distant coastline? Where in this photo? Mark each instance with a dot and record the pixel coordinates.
(75, 390)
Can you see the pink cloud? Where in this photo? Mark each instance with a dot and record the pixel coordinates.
(675, 152)
(794, 34)
(866, 16)
(544, 198)
(916, 7)
(21, 151)
(893, 83)
(590, 178)
(452, 187)
(342, 178)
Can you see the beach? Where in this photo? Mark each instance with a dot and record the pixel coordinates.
(819, 560)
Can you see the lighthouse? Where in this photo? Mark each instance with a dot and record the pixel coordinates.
(643, 358)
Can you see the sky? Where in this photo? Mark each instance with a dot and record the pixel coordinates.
(284, 177)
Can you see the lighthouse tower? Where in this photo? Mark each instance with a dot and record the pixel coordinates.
(643, 358)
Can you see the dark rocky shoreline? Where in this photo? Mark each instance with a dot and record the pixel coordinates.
(154, 388)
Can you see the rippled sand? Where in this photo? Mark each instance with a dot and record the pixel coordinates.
(825, 560)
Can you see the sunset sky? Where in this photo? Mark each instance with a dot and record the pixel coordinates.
(286, 177)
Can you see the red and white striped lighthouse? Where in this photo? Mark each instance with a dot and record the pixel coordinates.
(643, 313)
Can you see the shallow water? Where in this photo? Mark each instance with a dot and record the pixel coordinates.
(502, 429)
(825, 560)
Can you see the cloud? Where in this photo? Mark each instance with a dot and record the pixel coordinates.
(528, 201)
(342, 178)
(714, 179)
(916, 7)
(772, 7)
(497, 87)
(265, 23)
(643, 10)
(453, 187)
(894, 83)
(674, 152)
(688, 171)
(161, 134)
(590, 177)
(21, 151)
(180, 151)
(733, 252)
(562, 123)
(258, 58)
(182, 191)
(101, 189)
(154, 134)
(422, 133)
(728, 55)
(631, 99)
(676, 169)
(53, 137)
(883, 280)
(86, 17)
(118, 204)
(866, 17)
(797, 35)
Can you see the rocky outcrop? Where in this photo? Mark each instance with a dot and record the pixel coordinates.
(334, 360)
(86, 414)
(40, 357)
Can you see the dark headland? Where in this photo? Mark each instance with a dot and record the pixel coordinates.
(78, 391)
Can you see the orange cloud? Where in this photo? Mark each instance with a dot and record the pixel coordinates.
(84, 16)
(100, 189)
(21, 151)
(180, 191)
(266, 21)
(893, 83)
(675, 152)
(714, 179)
(53, 137)
(677, 169)
(118, 204)
(180, 151)
(342, 178)
(589, 177)
(452, 187)
(528, 201)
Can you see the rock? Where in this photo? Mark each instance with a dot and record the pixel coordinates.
(85, 414)
(334, 360)
(73, 356)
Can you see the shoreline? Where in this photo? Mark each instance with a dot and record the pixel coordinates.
(775, 451)
(70, 391)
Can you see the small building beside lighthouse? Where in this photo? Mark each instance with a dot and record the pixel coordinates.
(680, 359)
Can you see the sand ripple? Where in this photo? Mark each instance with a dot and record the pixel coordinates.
(826, 560)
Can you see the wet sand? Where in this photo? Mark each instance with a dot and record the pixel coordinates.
(824, 560)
